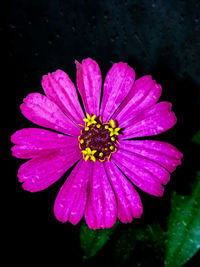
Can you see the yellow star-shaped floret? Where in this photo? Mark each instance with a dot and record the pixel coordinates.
(112, 123)
(113, 130)
(89, 154)
(90, 120)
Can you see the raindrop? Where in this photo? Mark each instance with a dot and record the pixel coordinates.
(125, 42)
(20, 34)
(125, 2)
(36, 53)
(46, 19)
(112, 39)
(106, 14)
(61, 13)
(12, 26)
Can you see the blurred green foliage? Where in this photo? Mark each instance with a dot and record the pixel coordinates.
(183, 236)
(93, 240)
(171, 248)
(196, 138)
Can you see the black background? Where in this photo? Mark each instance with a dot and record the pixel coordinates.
(161, 38)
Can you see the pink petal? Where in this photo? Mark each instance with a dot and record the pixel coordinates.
(89, 84)
(117, 85)
(162, 153)
(42, 111)
(129, 204)
(71, 199)
(32, 142)
(60, 89)
(40, 172)
(161, 174)
(154, 120)
(101, 208)
(138, 173)
(144, 94)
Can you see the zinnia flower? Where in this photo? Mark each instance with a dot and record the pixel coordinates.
(109, 161)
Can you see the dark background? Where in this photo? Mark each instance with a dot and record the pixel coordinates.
(161, 38)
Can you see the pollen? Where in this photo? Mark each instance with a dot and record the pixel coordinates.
(98, 140)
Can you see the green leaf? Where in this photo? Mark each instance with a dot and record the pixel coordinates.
(196, 138)
(151, 233)
(149, 236)
(183, 236)
(125, 245)
(93, 240)
(152, 236)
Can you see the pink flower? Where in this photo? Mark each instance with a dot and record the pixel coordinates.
(100, 186)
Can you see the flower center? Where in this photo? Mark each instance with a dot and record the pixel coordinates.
(98, 140)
